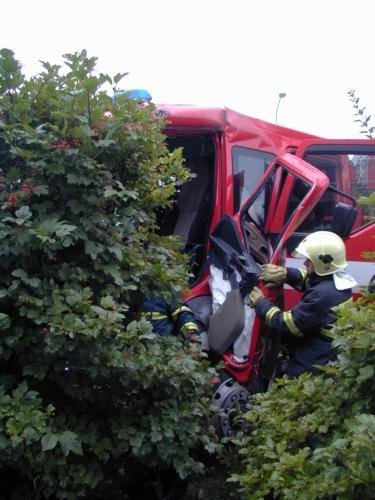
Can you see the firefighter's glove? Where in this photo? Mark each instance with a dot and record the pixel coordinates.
(273, 275)
(191, 334)
(255, 296)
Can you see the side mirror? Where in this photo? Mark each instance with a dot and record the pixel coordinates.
(344, 216)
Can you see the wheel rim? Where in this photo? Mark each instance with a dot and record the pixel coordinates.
(229, 400)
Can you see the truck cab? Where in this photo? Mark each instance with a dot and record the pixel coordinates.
(229, 153)
(258, 189)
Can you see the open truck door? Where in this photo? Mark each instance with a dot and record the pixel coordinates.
(256, 235)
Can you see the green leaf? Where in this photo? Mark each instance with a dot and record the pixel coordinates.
(117, 250)
(365, 373)
(20, 273)
(69, 443)
(93, 249)
(114, 271)
(79, 179)
(107, 302)
(3, 443)
(24, 213)
(109, 192)
(137, 440)
(156, 436)
(4, 321)
(118, 77)
(49, 441)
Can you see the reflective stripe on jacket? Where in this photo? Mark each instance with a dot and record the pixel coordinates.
(169, 320)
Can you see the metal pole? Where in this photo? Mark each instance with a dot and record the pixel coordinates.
(281, 96)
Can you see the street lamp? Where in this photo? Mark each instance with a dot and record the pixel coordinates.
(281, 96)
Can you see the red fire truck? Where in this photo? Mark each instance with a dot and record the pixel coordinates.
(258, 189)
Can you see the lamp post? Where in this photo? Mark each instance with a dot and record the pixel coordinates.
(281, 96)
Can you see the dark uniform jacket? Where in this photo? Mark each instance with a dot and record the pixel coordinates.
(169, 319)
(302, 327)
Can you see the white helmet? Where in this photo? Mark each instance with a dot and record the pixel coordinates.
(326, 250)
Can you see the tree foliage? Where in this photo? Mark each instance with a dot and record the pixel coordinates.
(89, 399)
(361, 116)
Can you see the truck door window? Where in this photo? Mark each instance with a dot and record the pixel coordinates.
(248, 167)
(260, 218)
(351, 172)
(254, 221)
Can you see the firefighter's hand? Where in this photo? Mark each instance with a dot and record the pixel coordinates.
(255, 296)
(198, 344)
(192, 335)
(273, 275)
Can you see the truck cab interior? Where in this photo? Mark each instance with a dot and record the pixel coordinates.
(190, 215)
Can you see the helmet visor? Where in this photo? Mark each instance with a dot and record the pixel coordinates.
(298, 254)
(343, 280)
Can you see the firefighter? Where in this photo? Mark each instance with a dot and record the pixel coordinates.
(325, 285)
(172, 320)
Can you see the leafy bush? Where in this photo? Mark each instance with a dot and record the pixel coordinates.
(314, 437)
(90, 400)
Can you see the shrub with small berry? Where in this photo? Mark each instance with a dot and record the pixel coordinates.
(90, 400)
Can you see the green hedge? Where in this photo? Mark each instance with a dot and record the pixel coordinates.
(314, 437)
(90, 401)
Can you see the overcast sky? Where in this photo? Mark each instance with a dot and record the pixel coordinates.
(235, 53)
